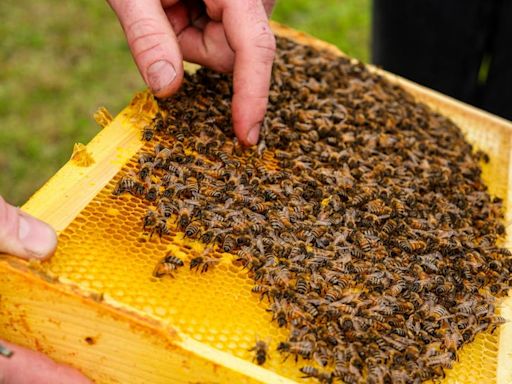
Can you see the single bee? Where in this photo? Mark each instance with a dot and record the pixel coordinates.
(146, 170)
(260, 352)
(192, 186)
(282, 155)
(160, 227)
(200, 145)
(167, 265)
(208, 236)
(145, 157)
(180, 136)
(445, 360)
(363, 242)
(266, 291)
(150, 219)
(222, 156)
(152, 191)
(158, 122)
(378, 207)
(183, 217)
(128, 184)
(211, 192)
(193, 229)
(300, 348)
(321, 376)
(204, 262)
(399, 207)
(162, 157)
(165, 208)
(229, 243)
(147, 133)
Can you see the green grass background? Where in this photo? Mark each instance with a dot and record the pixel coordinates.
(60, 61)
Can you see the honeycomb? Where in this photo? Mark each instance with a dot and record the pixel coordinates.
(104, 250)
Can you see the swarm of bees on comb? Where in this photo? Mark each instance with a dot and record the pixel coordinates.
(361, 215)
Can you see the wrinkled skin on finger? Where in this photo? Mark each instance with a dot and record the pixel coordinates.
(227, 36)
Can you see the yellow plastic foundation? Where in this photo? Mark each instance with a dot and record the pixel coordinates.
(96, 306)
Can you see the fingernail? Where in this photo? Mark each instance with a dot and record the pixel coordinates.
(252, 136)
(160, 75)
(37, 238)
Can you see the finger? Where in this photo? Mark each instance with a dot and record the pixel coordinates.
(269, 6)
(207, 46)
(253, 42)
(178, 16)
(23, 235)
(29, 367)
(202, 41)
(152, 43)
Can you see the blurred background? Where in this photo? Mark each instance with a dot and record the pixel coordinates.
(60, 61)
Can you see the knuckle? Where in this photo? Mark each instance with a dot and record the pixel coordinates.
(265, 42)
(143, 35)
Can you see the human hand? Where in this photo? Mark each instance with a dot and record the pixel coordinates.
(225, 35)
(27, 237)
(29, 367)
(23, 235)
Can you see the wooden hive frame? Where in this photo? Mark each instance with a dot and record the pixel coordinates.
(111, 342)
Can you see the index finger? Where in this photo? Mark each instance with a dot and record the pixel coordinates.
(249, 35)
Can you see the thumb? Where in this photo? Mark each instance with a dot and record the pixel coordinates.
(152, 42)
(23, 235)
(29, 367)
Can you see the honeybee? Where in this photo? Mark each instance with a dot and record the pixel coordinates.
(165, 208)
(167, 265)
(377, 207)
(128, 184)
(150, 219)
(398, 206)
(193, 229)
(266, 291)
(321, 376)
(180, 136)
(147, 133)
(160, 227)
(229, 243)
(321, 355)
(204, 262)
(301, 286)
(363, 242)
(299, 348)
(208, 236)
(184, 217)
(146, 170)
(445, 360)
(162, 157)
(152, 191)
(260, 352)
(452, 341)
(145, 157)
(158, 122)
(279, 314)
(282, 155)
